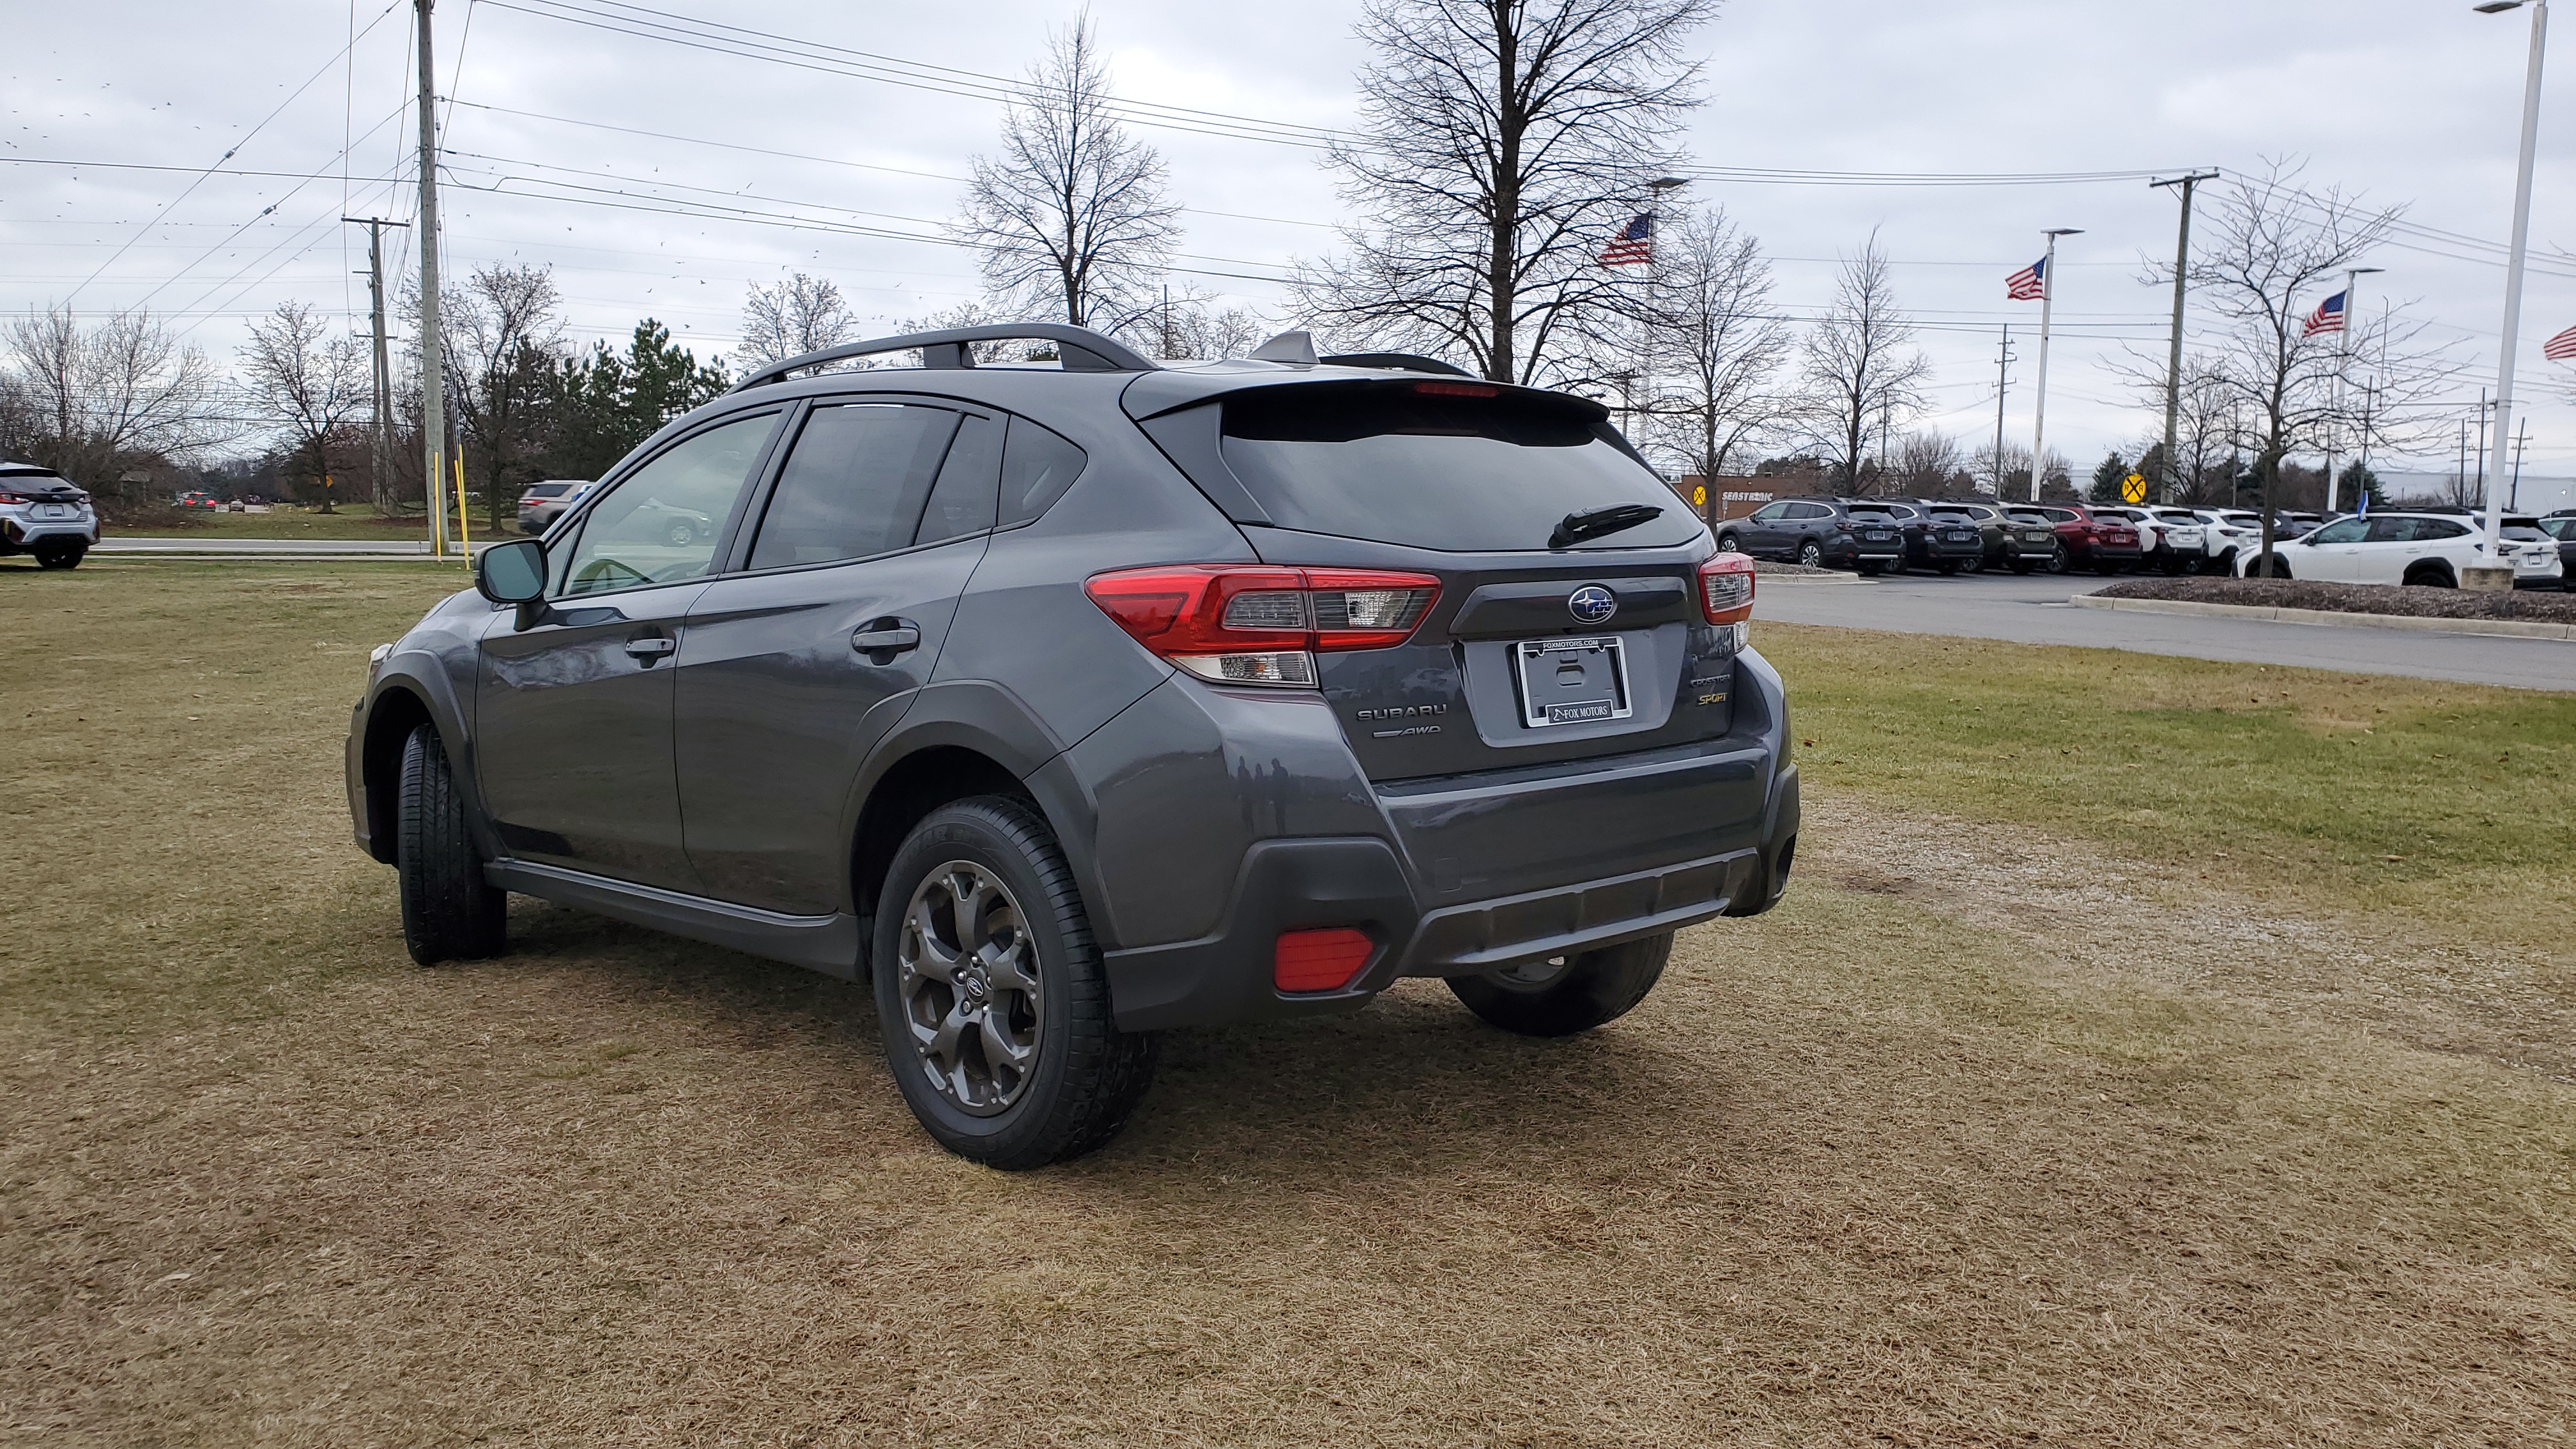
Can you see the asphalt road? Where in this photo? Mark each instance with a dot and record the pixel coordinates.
(2033, 610)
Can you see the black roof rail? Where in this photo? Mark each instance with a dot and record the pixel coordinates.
(1079, 348)
(1401, 361)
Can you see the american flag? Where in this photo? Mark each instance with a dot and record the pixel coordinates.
(2029, 284)
(2327, 318)
(1635, 243)
(2561, 347)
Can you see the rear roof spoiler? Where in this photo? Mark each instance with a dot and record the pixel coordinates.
(1079, 348)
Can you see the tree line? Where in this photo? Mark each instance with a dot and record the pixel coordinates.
(1503, 144)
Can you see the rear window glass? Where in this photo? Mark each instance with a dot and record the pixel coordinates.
(549, 490)
(1435, 469)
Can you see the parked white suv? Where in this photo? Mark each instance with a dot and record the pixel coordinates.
(2404, 548)
(2168, 538)
(46, 514)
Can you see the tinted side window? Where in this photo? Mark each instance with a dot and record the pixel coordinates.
(1771, 512)
(2342, 530)
(659, 524)
(855, 484)
(1809, 510)
(1037, 466)
(2430, 528)
(969, 482)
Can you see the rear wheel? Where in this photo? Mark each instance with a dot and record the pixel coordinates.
(449, 911)
(2431, 576)
(1729, 543)
(1811, 554)
(1562, 995)
(991, 997)
(51, 555)
(2057, 560)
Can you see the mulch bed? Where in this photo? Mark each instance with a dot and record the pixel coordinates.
(2549, 607)
(1766, 566)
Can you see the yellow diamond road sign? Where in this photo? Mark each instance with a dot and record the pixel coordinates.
(2133, 489)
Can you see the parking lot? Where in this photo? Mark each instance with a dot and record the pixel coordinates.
(2033, 609)
(2162, 1105)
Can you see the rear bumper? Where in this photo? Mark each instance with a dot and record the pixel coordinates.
(17, 534)
(1466, 876)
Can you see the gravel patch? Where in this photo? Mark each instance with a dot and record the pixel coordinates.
(2543, 607)
(1766, 566)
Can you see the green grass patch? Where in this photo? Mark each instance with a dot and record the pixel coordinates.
(2370, 786)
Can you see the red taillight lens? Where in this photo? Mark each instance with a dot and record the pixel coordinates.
(1726, 589)
(1248, 624)
(1323, 960)
(7, 497)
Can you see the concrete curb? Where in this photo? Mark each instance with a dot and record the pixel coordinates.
(2493, 628)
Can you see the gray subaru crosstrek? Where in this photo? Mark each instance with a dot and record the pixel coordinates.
(1074, 701)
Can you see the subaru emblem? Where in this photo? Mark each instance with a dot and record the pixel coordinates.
(1592, 604)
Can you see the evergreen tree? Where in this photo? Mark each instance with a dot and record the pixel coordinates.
(2107, 478)
(608, 403)
(2359, 482)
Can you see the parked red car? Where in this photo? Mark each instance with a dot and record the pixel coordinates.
(2086, 540)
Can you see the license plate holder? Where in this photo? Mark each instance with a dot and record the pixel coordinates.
(1578, 680)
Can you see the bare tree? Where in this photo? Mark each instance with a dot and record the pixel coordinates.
(87, 401)
(1508, 141)
(2009, 477)
(1861, 367)
(1926, 464)
(310, 385)
(504, 345)
(2273, 250)
(1192, 327)
(1717, 344)
(1070, 219)
(802, 314)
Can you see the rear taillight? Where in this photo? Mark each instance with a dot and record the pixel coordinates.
(1726, 589)
(1249, 624)
(8, 497)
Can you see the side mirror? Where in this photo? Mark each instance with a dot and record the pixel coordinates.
(512, 573)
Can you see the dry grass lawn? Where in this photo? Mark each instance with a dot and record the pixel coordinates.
(2017, 1124)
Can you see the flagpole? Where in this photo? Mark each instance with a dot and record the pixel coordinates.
(2039, 407)
(2343, 362)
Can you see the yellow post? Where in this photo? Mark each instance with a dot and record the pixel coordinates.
(464, 534)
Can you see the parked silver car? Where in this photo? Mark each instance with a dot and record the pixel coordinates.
(545, 502)
(45, 514)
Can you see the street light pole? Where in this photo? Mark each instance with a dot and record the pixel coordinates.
(2173, 366)
(2039, 405)
(2494, 574)
(433, 364)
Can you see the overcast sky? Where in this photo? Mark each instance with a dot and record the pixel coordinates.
(2408, 101)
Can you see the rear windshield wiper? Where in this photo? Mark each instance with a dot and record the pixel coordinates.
(1595, 522)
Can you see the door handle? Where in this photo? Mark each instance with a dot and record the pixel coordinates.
(651, 647)
(893, 638)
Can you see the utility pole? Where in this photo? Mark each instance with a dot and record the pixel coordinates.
(2173, 364)
(433, 361)
(380, 450)
(2039, 407)
(2513, 497)
(2003, 379)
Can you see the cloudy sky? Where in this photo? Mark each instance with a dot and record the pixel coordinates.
(577, 146)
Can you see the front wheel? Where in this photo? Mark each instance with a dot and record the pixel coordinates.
(1562, 995)
(1811, 554)
(991, 997)
(449, 911)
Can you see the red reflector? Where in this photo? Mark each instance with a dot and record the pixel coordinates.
(1323, 960)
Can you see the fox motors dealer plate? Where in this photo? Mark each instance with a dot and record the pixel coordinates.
(1572, 681)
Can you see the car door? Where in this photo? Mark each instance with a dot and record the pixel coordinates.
(795, 665)
(573, 712)
(1760, 533)
(2334, 554)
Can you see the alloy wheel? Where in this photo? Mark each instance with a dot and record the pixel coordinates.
(967, 976)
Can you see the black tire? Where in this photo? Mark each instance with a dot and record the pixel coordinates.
(1086, 1076)
(1811, 554)
(60, 556)
(2270, 566)
(2175, 565)
(1729, 543)
(2020, 565)
(1947, 566)
(1561, 996)
(2106, 568)
(449, 911)
(2430, 576)
(2058, 562)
